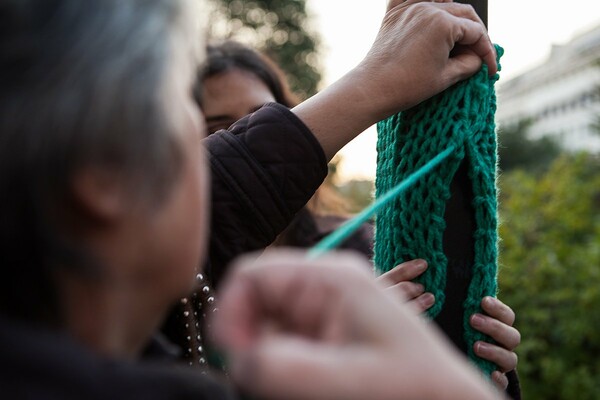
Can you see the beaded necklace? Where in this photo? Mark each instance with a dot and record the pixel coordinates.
(194, 312)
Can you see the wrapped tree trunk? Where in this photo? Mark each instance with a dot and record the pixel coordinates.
(449, 217)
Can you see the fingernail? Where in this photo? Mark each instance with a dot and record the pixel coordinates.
(482, 348)
(477, 320)
(489, 301)
(420, 265)
(428, 299)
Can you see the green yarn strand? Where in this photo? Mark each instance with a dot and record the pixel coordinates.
(336, 237)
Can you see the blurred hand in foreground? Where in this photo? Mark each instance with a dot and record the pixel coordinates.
(497, 322)
(323, 329)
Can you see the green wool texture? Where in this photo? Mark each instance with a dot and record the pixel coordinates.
(412, 226)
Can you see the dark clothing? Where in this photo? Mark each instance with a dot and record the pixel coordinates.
(264, 170)
(514, 385)
(307, 229)
(37, 363)
(360, 241)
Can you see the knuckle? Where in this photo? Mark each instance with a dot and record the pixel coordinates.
(507, 316)
(419, 6)
(517, 340)
(494, 326)
(425, 9)
(400, 275)
(465, 8)
(511, 363)
(412, 288)
(511, 316)
(510, 338)
(502, 311)
(502, 381)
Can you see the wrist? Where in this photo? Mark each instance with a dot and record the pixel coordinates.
(383, 96)
(340, 112)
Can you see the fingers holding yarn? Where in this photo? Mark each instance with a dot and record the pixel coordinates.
(505, 360)
(504, 334)
(474, 35)
(397, 281)
(422, 303)
(497, 309)
(406, 271)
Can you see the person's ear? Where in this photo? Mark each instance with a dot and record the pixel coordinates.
(100, 193)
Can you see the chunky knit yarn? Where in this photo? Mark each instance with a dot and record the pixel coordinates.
(412, 226)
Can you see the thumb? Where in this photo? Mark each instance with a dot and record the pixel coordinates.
(462, 66)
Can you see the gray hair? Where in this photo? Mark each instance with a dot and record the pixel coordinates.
(82, 83)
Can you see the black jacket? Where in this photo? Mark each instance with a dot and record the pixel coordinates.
(36, 363)
(264, 170)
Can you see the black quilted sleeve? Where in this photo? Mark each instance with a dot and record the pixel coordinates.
(264, 169)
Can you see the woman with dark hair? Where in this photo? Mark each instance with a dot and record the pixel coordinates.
(231, 56)
(237, 80)
(233, 82)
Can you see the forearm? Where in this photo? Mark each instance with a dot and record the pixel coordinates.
(340, 112)
(409, 62)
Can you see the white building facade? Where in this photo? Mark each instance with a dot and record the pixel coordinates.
(560, 97)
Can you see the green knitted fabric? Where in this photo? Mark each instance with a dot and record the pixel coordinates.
(412, 226)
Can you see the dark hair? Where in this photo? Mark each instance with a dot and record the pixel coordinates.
(230, 55)
(80, 85)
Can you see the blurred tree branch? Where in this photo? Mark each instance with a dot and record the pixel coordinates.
(280, 28)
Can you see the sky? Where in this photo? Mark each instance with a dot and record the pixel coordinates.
(526, 29)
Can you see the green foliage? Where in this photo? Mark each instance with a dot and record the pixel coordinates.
(516, 150)
(550, 275)
(278, 27)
